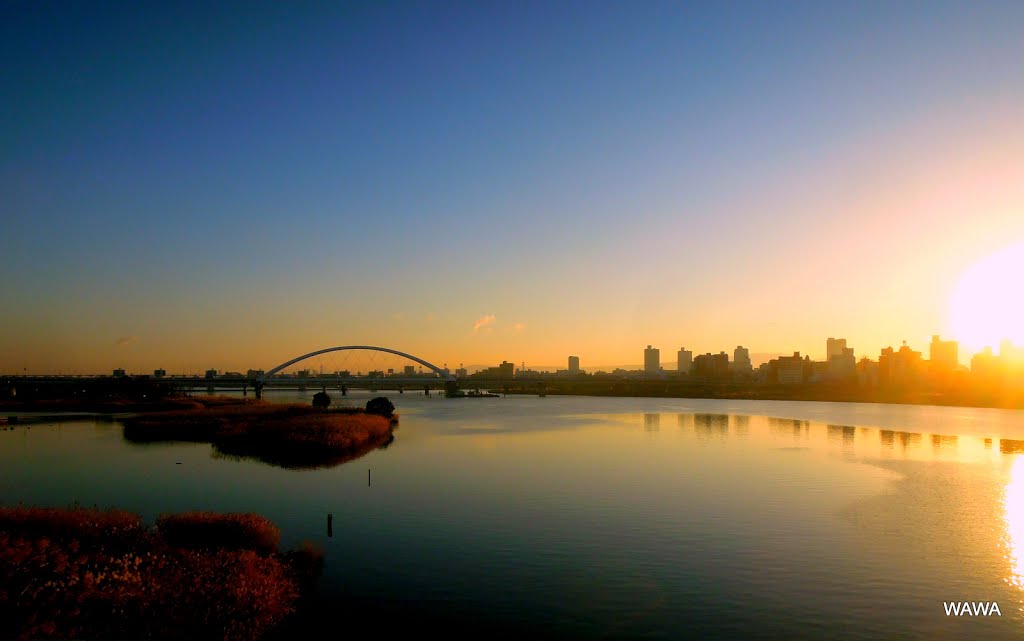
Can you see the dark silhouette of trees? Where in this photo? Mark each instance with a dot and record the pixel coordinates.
(321, 400)
(380, 406)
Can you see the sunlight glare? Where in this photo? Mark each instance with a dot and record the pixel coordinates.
(1015, 522)
(986, 307)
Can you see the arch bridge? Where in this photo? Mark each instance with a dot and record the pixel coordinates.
(441, 375)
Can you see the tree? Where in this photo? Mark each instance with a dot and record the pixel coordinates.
(321, 400)
(380, 406)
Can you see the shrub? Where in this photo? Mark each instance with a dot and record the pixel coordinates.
(380, 406)
(321, 400)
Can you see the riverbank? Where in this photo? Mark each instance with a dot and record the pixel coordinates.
(992, 397)
(87, 573)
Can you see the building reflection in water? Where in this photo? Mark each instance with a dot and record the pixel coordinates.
(708, 426)
(685, 421)
(1015, 522)
(742, 423)
(887, 437)
(652, 422)
(796, 428)
(844, 434)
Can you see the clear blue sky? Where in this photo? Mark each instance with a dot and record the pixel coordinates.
(185, 185)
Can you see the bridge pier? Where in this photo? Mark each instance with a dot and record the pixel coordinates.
(258, 389)
(426, 390)
(451, 388)
(344, 390)
(401, 389)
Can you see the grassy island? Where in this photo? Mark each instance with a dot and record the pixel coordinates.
(86, 573)
(291, 436)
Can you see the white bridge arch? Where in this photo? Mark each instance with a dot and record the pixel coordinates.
(437, 370)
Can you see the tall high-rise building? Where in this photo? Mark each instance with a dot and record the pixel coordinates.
(741, 360)
(574, 365)
(943, 356)
(834, 347)
(840, 361)
(684, 362)
(652, 360)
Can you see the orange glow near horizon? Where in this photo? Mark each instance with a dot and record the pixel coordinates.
(986, 307)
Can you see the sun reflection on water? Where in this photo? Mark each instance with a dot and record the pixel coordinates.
(1015, 522)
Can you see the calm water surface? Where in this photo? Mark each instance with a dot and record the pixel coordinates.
(600, 518)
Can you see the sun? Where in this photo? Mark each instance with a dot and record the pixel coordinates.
(987, 305)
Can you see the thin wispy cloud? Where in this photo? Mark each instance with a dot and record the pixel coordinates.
(483, 322)
(125, 340)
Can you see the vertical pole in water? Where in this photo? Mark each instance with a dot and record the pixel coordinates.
(330, 525)
(367, 478)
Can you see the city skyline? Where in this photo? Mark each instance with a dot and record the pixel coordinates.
(939, 350)
(471, 183)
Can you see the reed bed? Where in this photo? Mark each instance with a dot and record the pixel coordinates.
(80, 573)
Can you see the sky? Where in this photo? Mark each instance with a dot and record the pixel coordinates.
(196, 185)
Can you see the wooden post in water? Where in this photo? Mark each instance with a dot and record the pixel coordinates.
(330, 525)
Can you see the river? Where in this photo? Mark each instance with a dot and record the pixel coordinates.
(614, 518)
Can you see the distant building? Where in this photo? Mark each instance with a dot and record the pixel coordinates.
(684, 361)
(789, 370)
(159, 373)
(986, 364)
(1012, 356)
(119, 373)
(461, 372)
(840, 361)
(410, 370)
(503, 371)
(834, 347)
(741, 360)
(943, 356)
(652, 360)
(254, 373)
(903, 367)
(574, 365)
(867, 372)
(211, 373)
(711, 365)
